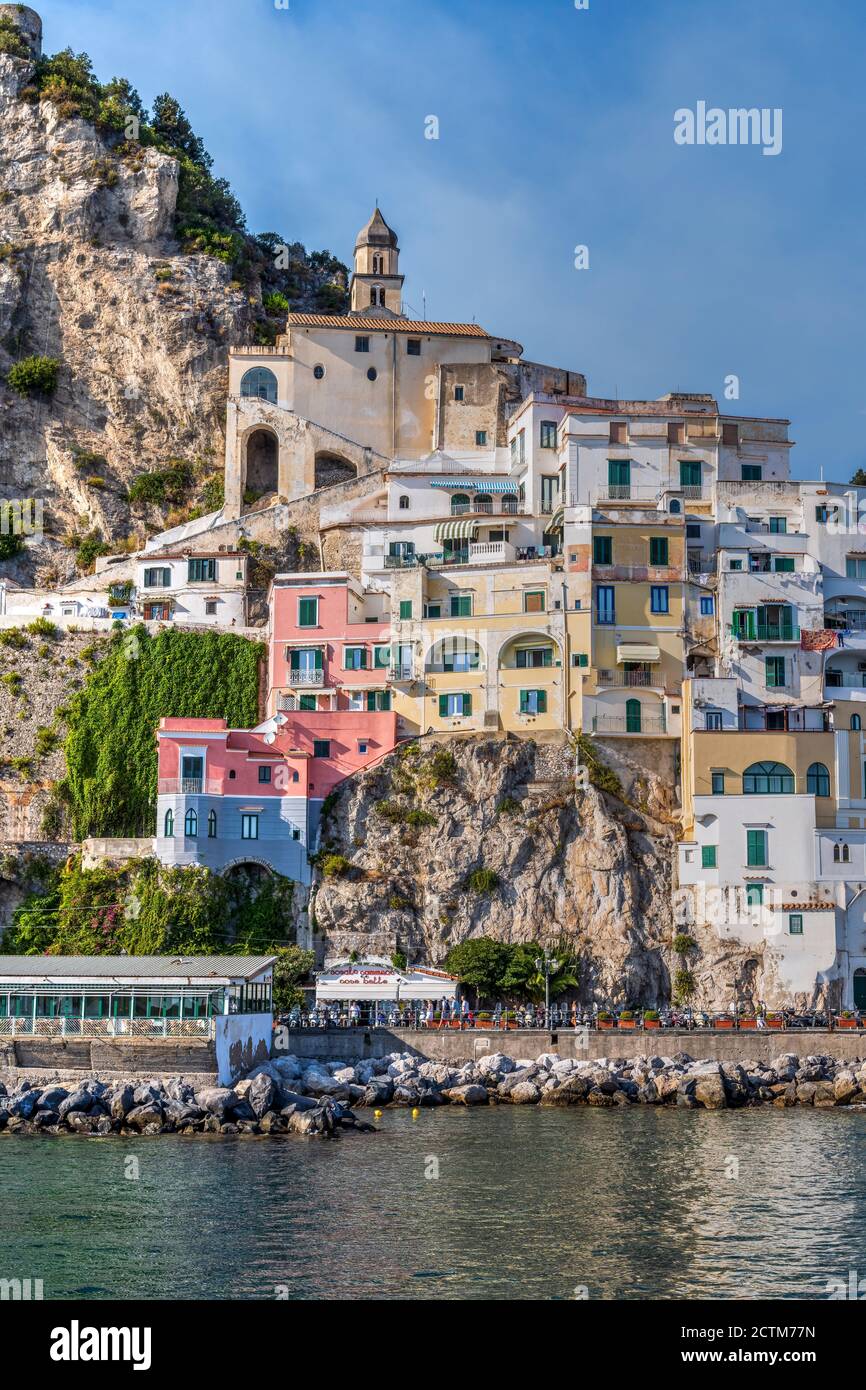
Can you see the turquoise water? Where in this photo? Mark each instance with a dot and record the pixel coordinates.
(529, 1203)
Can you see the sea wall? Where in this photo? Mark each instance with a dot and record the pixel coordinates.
(458, 1047)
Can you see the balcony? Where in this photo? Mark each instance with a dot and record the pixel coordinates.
(845, 680)
(404, 672)
(649, 574)
(701, 561)
(616, 724)
(760, 632)
(501, 506)
(304, 679)
(490, 552)
(648, 676)
(627, 492)
(189, 786)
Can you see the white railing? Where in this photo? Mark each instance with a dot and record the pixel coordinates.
(307, 678)
(403, 672)
(626, 492)
(189, 786)
(28, 1026)
(845, 680)
(490, 552)
(650, 677)
(701, 561)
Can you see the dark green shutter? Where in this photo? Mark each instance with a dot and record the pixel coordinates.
(443, 706)
(467, 704)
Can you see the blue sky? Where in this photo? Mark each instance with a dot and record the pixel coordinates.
(555, 129)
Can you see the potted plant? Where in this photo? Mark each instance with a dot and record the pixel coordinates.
(605, 1019)
(723, 1021)
(845, 1019)
(651, 1018)
(775, 1021)
(627, 1019)
(483, 1020)
(748, 1021)
(508, 1019)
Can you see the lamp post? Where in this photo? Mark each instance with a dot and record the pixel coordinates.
(549, 965)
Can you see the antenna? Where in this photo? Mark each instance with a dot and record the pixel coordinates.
(424, 303)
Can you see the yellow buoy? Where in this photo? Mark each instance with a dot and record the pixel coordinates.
(377, 1114)
(415, 1113)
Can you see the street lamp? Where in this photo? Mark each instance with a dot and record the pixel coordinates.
(549, 965)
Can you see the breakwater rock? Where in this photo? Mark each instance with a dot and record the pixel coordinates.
(403, 1079)
(262, 1104)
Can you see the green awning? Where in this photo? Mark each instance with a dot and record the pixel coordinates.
(457, 529)
(477, 484)
(557, 521)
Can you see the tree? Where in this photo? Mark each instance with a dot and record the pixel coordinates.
(859, 479)
(524, 980)
(34, 376)
(169, 122)
(481, 963)
(291, 966)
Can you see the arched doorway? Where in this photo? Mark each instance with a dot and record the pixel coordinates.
(333, 468)
(632, 717)
(262, 463)
(860, 989)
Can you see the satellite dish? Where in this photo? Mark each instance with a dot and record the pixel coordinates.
(280, 719)
(269, 738)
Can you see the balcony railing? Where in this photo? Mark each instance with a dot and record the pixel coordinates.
(761, 632)
(626, 492)
(845, 680)
(701, 561)
(306, 677)
(490, 552)
(502, 506)
(651, 574)
(615, 724)
(649, 676)
(404, 672)
(189, 786)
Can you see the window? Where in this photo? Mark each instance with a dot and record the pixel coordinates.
(533, 702)
(405, 609)
(413, 347)
(619, 478)
(743, 624)
(261, 383)
(321, 748)
(264, 774)
(308, 612)
(354, 658)
(818, 780)
(362, 344)
(371, 373)
(318, 371)
(532, 658)
(190, 824)
(675, 507)
(659, 598)
(855, 566)
(718, 783)
(461, 606)
(249, 827)
(658, 550)
(751, 472)
(618, 432)
(404, 503)
(305, 660)
(756, 848)
(168, 826)
(731, 434)
(378, 700)
(778, 525)
(452, 706)
(460, 654)
(774, 672)
(307, 703)
(211, 825)
(783, 564)
(533, 601)
(736, 564)
(458, 393)
(693, 530)
(713, 720)
(676, 432)
(706, 605)
(754, 894)
(210, 607)
(632, 717)
(768, 779)
(708, 856)
(547, 438)
(855, 721)
(841, 854)
(432, 610)
(580, 658)
(690, 473)
(549, 494)
(604, 605)
(198, 570)
(795, 923)
(381, 657)
(602, 550)
(480, 438)
(362, 745)
(157, 578)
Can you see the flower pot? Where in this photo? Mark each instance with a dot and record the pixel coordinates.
(723, 1023)
(748, 1023)
(652, 1023)
(845, 1023)
(605, 1023)
(628, 1023)
(775, 1023)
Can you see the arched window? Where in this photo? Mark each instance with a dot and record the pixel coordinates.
(211, 825)
(377, 295)
(818, 780)
(841, 854)
(855, 721)
(632, 716)
(377, 264)
(483, 502)
(404, 503)
(459, 503)
(768, 779)
(260, 382)
(168, 828)
(509, 504)
(675, 507)
(190, 824)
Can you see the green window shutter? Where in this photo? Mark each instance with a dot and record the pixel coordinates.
(756, 848)
(542, 701)
(795, 924)
(658, 550)
(524, 702)
(384, 701)
(308, 612)
(618, 472)
(317, 659)
(583, 658)
(467, 704)
(295, 661)
(718, 783)
(690, 473)
(371, 699)
(602, 550)
(443, 706)
(405, 608)
(754, 894)
(708, 856)
(381, 657)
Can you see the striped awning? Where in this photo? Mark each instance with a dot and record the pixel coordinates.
(477, 484)
(457, 529)
(557, 521)
(636, 651)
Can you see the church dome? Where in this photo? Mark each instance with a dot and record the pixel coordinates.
(376, 233)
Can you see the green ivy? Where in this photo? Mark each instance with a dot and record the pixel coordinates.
(111, 742)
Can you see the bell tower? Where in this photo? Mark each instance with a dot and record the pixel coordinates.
(376, 286)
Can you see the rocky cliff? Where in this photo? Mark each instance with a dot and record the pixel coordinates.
(92, 274)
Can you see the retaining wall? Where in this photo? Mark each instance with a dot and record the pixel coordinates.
(332, 1044)
(106, 1057)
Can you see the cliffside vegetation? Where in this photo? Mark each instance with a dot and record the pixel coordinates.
(110, 783)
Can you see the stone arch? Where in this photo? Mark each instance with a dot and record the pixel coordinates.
(532, 637)
(457, 650)
(261, 461)
(333, 468)
(246, 863)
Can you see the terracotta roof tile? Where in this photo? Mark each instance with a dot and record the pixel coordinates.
(356, 321)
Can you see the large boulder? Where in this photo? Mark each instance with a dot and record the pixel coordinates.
(122, 1102)
(217, 1100)
(466, 1095)
(709, 1090)
(573, 1091)
(526, 1093)
(142, 1117)
(262, 1094)
(845, 1086)
(24, 1105)
(50, 1099)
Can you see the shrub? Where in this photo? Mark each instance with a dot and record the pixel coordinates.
(627, 1015)
(13, 680)
(508, 806)
(12, 41)
(95, 481)
(418, 817)
(391, 811)
(398, 960)
(482, 881)
(650, 1015)
(442, 767)
(46, 741)
(683, 943)
(87, 548)
(43, 627)
(275, 303)
(213, 494)
(335, 865)
(34, 376)
(10, 545)
(683, 987)
(84, 458)
(604, 1016)
(600, 775)
(13, 637)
